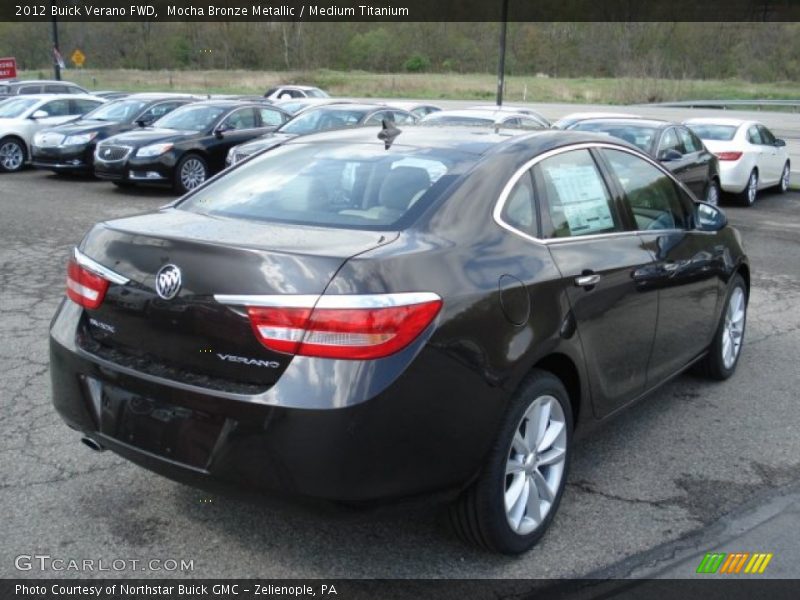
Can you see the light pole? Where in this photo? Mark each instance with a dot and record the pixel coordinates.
(501, 67)
(56, 51)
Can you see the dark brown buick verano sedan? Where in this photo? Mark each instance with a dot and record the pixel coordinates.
(360, 319)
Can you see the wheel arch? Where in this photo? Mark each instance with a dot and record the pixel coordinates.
(563, 367)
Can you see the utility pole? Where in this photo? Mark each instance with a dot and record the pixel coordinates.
(501, 67)
(56, 50)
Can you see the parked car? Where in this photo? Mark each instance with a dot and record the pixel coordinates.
(21, 117)
(322, 118)
(41, 86)
(284, 92)
(358, 318)
(520, 110)
(751, 158)
(185, 147)
(487, 118)
(567, 121)
(418, 109)
(69, 148)
(675, 146)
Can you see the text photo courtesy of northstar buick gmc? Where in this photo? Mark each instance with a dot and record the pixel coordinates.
(361, 318)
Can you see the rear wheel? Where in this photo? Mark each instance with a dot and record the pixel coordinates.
(783, 186)
(723, 354)
(748, 195)
(511, 504)
(191, 171)
(12, 154)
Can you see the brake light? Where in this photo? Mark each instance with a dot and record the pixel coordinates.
(84, 287)
(346, 327)
(729, 155)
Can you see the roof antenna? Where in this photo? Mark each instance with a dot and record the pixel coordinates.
(388, 133)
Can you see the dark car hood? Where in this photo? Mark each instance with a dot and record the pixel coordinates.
(85, 126)
(151, 135)
(265, 141)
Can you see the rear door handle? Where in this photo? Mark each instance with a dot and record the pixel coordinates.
(587, 280)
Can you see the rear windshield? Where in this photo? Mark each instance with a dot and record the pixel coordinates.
(713, 132)
(641, 137)
(357, 186)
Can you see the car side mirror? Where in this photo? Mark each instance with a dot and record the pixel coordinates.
(780, 143)
(670, 155)
(220, 131)
(708, 217)
(40, 114)
(143, 122)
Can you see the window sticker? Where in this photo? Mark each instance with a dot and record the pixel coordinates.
(582, 196)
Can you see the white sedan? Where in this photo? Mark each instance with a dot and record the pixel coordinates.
(750, 157)
(21, 117)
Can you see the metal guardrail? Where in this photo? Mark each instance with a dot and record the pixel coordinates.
(723, 104)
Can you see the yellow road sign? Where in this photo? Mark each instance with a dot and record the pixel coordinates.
(78, 58)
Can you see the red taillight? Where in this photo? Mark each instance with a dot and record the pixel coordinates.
(728, 155)
(84, 287)
(342, 332)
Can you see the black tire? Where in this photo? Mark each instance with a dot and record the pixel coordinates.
(178, 184)
(14, 154)
(783, 185)
(712, 365)
(479, 517)
(747, 197)
(713, 192)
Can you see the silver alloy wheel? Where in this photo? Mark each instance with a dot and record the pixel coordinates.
(193, 173)
(785, 177)
(11, 156)
(733, 330)
(752, 187)
(712, 196)
(535, 465)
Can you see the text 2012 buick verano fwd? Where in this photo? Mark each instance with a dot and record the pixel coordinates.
(361, 319)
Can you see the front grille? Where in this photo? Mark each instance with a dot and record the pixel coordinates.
(112, 153)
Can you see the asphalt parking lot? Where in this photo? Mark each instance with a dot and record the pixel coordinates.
(668, 468)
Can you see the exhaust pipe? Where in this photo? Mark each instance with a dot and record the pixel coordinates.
(90, 443)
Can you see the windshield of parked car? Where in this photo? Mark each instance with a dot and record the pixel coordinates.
(191, 118)
(640, 136)
(713, 132)
(11, 109)
(323, 119)
(357, 186)
(117, 111)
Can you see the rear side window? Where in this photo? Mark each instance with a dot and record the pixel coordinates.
(30, 89)
(519, 210)
(57, 108)
(81, 106)
(754, 136)
(651, 196)
(577, 201)
(360, 186)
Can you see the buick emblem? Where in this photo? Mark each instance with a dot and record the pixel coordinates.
(168, 282)
(106, 152)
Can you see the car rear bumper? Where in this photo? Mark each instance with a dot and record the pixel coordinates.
(733, 175)
(404, 439)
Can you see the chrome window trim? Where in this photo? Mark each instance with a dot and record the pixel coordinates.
(504, 194)
(328, 301)
(94, 266)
